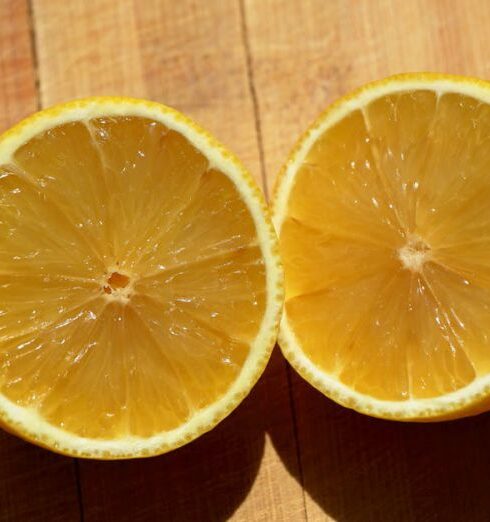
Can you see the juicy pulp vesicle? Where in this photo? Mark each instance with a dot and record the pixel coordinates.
(131, 283)
(386, 246)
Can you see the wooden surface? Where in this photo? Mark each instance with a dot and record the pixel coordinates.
(255, 73)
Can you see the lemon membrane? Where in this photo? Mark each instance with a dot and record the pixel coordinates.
(139, 282)
(384, 226)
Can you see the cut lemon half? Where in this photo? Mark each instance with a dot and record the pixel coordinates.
(383, 217)
(140, 286)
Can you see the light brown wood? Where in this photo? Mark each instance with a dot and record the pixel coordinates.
(18, 95)
(304, 55)
(35, 485)
(255, 73)
(190, 55)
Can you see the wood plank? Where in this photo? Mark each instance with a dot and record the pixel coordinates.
(184, 54)
(190, 55)
(231, 473)
(35, 484)
(361, 469)
(17, 75)
(304, 55)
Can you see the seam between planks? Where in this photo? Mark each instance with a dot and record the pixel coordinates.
(258, 129)
(33, 42)
(79, 489)
(295, 432)
(253, 95)
(39, 105)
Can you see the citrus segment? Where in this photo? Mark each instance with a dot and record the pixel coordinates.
(382, 214)
(140, 283)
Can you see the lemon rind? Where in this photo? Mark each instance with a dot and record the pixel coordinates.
(28, 423)
(465, 401)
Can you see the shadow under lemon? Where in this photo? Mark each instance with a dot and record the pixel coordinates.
(359, 469)
(204, 481)
(35, 484)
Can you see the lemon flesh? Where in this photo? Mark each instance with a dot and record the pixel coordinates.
(385, 236)
(133, 283)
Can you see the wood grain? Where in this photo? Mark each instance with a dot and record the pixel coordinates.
(231, 473)
(255, 73)
(359, 469)
(190, 55)
(304, 55)
(18, 95)
(35, 485)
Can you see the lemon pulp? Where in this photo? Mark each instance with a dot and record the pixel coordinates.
(386, 246)
(131, 279)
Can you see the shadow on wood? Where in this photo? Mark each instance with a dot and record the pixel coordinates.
(35, 484)
(204, 481)
(356, 468)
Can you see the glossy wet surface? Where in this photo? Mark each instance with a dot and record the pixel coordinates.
(131, 283)
(387, 247)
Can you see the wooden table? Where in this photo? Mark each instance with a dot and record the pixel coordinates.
(255, 73)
